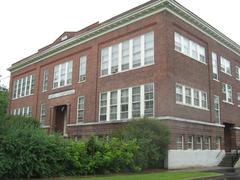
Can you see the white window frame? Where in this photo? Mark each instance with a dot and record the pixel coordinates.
(82, 68)
(208, 143)
(214, 66)
(66, 71)
(45, 80)
(238, 73)
(80, 109)
(130, 102)
(228, 93)
(186, 46)
(192, 97)
(225, 65)
(181, 142)
(190, 142)
(106, 55)
(43, 114)
(217, 109)
(200, 143)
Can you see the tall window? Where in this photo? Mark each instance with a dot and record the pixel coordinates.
(136, 105)
(124, 103)
(115, 57)
(82, 68)
(129, 54)
(24, 111)
(214, 66)
(103, 107)
(238, 99)
(149, 48)
(43, 114)
(238, 73)
(217, 109)
(199, 142)
(127, 103)
(227, 92)
(207, 143)
(45, 80)
(125, 55)
(148, 97)
(62, 74)
(189, 48)
(180, 142)
(225, 66)
(190, 142)
(137, 51)
(113, 105)
(191, 97)
(23, 87)
(80, 109)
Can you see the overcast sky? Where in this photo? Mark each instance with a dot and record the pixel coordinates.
(28, 25)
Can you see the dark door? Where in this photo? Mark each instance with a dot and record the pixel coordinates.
(229, 140)
(60, 118)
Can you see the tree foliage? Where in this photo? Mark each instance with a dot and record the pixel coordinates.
(3, 101)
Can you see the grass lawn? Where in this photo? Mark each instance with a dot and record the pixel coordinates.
(180, 175)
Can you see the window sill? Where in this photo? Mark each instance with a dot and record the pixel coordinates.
(226, 73)
(192, 106)
(62, 87)
(80, 82)
(44, 91)
(228, 102)
(216, 80)
(22, 97)
(103, 76)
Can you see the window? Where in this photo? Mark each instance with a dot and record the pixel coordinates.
(136, 102)
(113, 105)
(24, 111)
(218, 143)
(217, 109)
(191, 97)
(125, 55)
(179, 93)
(188, 95)
(80, 109)
(227, 92)
(23, 87)
(45, 80)
(124, 103)
(199, 142)
(208, 143)
(190, 142)
(238, 99)
(196, 97)
(137, 51)
(148, 48)
(204, 100)
(214, 66)
(148, 97)
(129, 54)
(225, 66)
(103, 107)
(82, 68)
(238, 73)
(127, 103)
(62, 74)
(189, 48)
(115, 56)
(43, 114)
(180, 142)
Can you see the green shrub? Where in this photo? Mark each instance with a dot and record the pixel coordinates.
(28, 151)
(152, 138)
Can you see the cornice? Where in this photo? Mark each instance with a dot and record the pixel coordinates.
(128, 18)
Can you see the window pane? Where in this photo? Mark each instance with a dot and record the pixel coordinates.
(137, 51)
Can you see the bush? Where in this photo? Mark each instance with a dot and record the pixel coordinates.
(152, 138)
(28, 151)
(101, 156)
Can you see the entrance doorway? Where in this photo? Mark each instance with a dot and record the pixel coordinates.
(60, 119)
(229, 137)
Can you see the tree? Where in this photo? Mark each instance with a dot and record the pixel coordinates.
(3, 101)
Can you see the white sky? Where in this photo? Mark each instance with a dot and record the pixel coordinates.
(27, 25)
